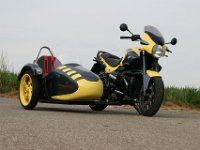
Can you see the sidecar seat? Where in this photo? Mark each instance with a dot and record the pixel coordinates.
(48, 64)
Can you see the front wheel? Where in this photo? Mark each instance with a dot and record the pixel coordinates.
(153, 99)
(29, 89)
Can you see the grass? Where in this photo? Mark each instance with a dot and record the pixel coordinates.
(183, 96)
(8, 79)
(186, 96)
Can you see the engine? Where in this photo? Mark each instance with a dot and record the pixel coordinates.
(117, 86)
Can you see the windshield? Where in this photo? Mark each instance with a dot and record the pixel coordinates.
(154, 34)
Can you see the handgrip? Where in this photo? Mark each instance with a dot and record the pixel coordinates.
(125, 37)
(169, 50)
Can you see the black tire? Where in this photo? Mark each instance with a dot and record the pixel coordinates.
(158, 87)
(35, 91)
(98, 107)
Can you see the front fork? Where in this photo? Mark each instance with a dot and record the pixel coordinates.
(145, 83)
(146, 78)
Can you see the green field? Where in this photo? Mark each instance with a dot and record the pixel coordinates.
(8, 79)
(186, 96)
(183, 96)
(8, 82)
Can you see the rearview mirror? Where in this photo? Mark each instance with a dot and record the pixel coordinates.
(123, 27)
(174, 41)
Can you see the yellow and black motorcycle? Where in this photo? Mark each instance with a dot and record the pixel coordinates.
(131, 80)
(134, 79)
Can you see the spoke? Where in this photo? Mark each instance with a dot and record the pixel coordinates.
(31, 89)
(149, 100)
(29, 95)
(29, 83)
(147, 107)
(150, 96)
(150, 103)
(26, 96)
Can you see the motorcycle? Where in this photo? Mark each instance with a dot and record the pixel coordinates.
(131, 80)
(134, 79)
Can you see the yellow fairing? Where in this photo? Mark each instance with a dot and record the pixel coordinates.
(109, 68)
(87, 90)
(136, 50)
(152, 73)
(148, 48)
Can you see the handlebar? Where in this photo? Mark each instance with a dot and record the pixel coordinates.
(133, 37)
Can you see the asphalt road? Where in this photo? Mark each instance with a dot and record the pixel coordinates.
(77, 127)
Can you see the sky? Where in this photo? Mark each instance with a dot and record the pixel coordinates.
(76, 30)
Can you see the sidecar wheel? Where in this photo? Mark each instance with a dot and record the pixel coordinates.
(29, 90)
(150, 105)
(98, 107)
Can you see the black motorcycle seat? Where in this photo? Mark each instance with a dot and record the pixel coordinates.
(109, 58)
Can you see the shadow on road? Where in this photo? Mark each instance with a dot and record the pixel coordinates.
(177, 115)
(121, 111)
(88, 111)
(114, 110)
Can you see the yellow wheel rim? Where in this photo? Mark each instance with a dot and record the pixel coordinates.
(26, 89)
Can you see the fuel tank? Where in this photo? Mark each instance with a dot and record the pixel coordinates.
(72, 82)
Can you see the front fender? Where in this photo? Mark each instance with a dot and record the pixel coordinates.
(147, 77)
(152, 73)
(34, 68)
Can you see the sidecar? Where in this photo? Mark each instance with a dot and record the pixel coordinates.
(48, 80)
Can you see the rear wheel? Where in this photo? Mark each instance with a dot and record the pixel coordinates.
(98, 107)
(153, 99)
(29, 90)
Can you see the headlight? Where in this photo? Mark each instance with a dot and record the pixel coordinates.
(158, 51)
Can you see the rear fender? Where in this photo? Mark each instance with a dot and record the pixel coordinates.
(97, 68)
(35, 69)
